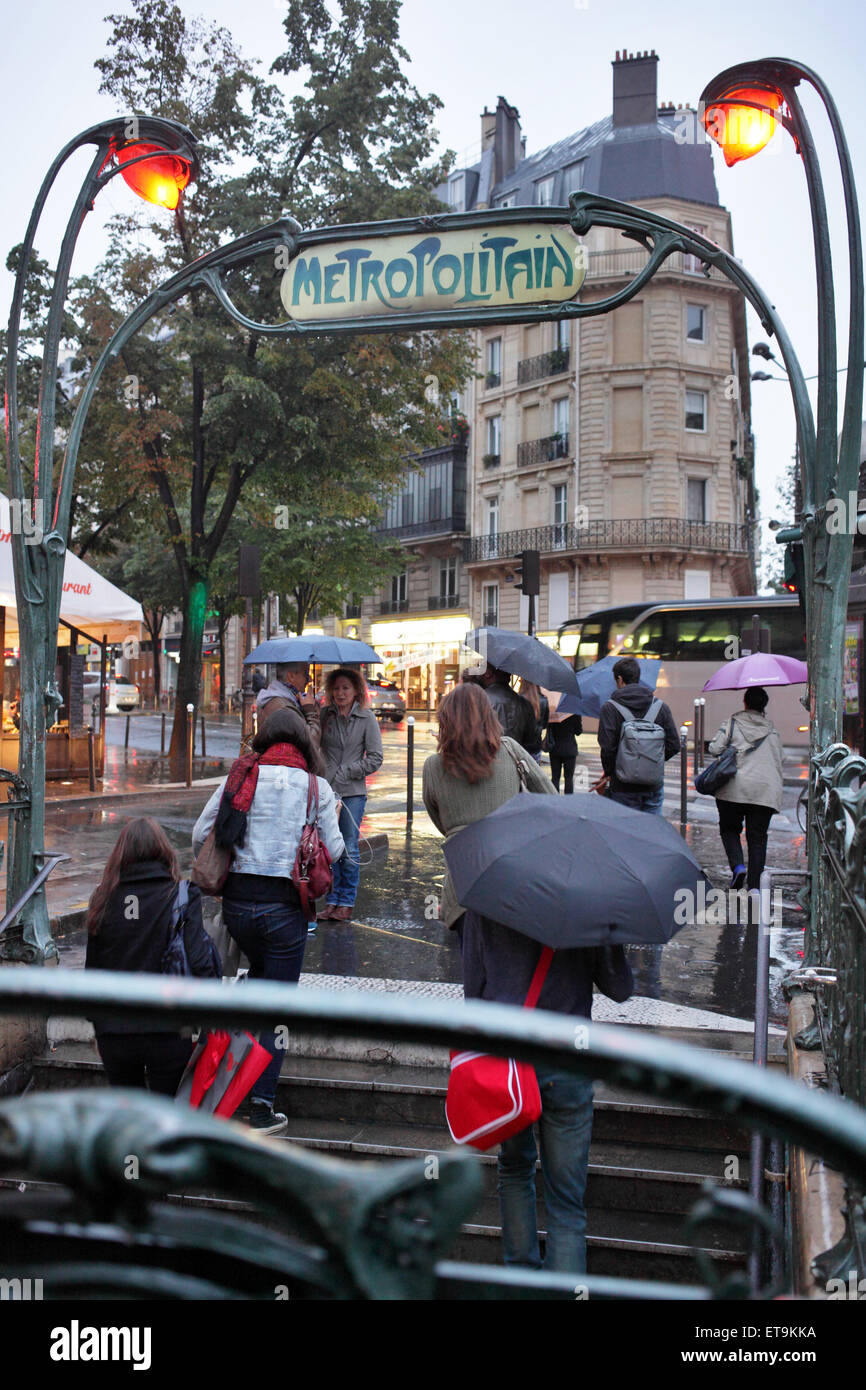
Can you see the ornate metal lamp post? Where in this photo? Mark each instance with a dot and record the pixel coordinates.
(157, 159)
(741, 108)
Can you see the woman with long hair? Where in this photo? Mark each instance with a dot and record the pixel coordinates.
(541, 709)
(476, 769)
(129, 922)
(352, 749)
(259, 812)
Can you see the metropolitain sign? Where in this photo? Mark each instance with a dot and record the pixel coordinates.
(515, 264)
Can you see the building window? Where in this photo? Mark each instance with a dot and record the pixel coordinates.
(696, 323)
(456, 186)
(399, 590)
(560, 515)
(562, 335)
(494, 436)
(693, 265)
(492, 527)
(560, 419)
(407, 509)
(696, 411)
(435, 504)
(448, 577)
(544, 192)
(696, 499)
(490, 605)
(507, 200)
(573, 180)
(494, 362)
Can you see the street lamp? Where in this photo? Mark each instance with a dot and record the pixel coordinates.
(157, 158)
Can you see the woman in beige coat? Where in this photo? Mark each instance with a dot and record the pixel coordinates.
(754, 794)
(476, 769)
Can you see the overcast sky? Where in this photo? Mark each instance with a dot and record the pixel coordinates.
(550, 58)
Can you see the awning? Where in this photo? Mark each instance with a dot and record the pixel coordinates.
(90, 603)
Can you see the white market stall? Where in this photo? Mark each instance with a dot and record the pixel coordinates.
(91, 608)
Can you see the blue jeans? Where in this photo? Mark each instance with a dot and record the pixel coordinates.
(565, 1129)
(651, 801)
(272, 936)
(347, 872)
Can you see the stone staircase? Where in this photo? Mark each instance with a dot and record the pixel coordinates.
(648, 1159)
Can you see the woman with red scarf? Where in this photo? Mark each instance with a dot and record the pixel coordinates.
(259, 811)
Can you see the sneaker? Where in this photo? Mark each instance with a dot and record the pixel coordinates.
(312, 927)
(264, 1120)
(738, 876)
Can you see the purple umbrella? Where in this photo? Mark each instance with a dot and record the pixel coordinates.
(761, 668)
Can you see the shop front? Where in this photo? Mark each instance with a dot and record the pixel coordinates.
(421, 656)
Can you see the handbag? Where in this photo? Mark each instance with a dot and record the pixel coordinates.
(521, 771)
(211, 868)
(490, 1098)
(311, 871)
(723, 768)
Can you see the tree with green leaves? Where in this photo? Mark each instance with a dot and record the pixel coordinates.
(198, 409)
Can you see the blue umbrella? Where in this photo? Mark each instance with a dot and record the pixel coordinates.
(597, 685)
(336, 650)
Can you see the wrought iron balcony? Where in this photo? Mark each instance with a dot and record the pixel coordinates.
(552, 446)
(443, 601)
(443, 526)
(490, 618)
(639, 533)
(491, 460)
(626, 264)
(394, 605)
(353, 610)
(546, 364)
(492, 379)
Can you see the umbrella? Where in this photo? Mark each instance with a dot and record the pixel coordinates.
(338, 650)
(222, 1069)
(575, 871)
(597, 685)
(523, 656)
(761, 668)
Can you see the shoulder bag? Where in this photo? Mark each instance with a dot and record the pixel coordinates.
(723, 768)
(211, 868)
(521, 769)
(311, 871)
(491, 1098)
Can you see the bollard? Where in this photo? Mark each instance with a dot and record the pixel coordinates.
(759, 1052)
(695, 722)
(203, 745)
(162, 737)
(410, 770)
(702, 707)
(684, 779)
(91, 766)
(190, 735)
(126, 734)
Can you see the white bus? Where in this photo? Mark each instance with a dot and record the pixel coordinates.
(692, 639)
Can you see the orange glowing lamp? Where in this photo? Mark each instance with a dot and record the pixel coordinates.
(160, 179)
(742, 122)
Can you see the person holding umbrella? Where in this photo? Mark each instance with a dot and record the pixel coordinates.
(754, 793)
(288, 690)
(568, 873)
(561, 743)
(475, 770)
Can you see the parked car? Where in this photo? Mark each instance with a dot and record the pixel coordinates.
(121, 696)
(386, 699)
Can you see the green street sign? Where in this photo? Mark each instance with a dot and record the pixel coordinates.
(512, 264)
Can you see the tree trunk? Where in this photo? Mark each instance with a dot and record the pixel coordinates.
(189, 670)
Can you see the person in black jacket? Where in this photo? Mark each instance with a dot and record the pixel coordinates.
(637, 698)
(514, 713)
(562, 733)
(129, 922)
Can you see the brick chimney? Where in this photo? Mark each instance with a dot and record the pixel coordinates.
(506, 141)
(488, 128)
(635, 88)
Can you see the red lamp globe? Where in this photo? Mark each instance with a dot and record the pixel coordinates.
(742, 121)
(160, 179)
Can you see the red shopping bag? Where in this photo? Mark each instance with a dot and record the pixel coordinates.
(490, 1098)
(222, 1070)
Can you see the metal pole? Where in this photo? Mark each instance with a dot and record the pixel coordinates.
(702, 709)
(190, 735)
(530, 626)
(248, 697)
(759, 1057)
(126, 735)
(91, 766)
(203, 746)
(162, 737)
(410, 770)
(684, 779)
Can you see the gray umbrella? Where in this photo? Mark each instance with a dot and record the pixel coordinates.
(523, 656)
(573, 871)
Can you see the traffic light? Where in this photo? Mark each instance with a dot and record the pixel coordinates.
(529, 574)
(794, 574)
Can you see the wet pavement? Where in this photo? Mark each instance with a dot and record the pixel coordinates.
(395, 934)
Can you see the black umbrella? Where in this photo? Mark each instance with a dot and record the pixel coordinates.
(523, 656)
(575, 871)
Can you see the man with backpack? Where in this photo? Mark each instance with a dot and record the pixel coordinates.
(636, 735)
